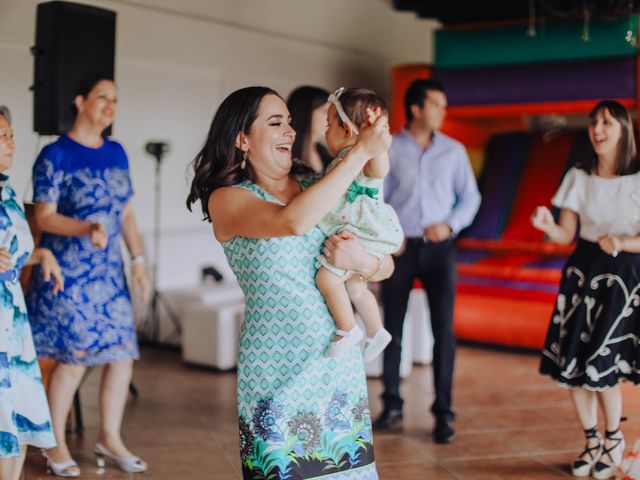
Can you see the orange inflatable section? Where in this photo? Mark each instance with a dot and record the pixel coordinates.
(504, 321)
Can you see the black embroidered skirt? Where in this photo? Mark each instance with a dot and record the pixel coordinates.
(593, 337)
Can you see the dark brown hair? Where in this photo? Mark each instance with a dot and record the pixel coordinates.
(218, 163)
(355, 102)
(627, 161)
(6, 113)
(417, 93)
(86, 86)
(301, 103)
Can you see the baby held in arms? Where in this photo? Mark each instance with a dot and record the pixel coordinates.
(360, 212)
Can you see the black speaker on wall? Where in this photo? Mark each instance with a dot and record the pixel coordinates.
(72, 42)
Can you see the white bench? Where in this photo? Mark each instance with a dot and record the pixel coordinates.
(197, 304)
(417, 339)
(212, 316)
(210, 334)
(422, 336)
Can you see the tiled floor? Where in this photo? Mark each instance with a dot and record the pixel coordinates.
(511, 424)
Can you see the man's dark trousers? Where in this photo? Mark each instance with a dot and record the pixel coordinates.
(434, 265)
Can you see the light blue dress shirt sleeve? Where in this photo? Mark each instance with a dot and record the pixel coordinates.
(467, 194)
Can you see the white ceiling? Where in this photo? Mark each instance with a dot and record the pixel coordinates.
(367, 26)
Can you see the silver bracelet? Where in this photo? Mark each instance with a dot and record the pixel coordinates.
(374, 273)
(138, 260)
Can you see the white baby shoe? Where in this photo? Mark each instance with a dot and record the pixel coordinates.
(349, 339)
(376, 344)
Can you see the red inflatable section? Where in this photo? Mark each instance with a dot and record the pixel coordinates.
(401, 78)
(540, 180)
(519, 109)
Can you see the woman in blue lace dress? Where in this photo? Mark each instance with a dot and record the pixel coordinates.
(24, 413)
(301, 415)
(82, 195)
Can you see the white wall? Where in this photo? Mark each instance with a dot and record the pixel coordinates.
(176, 61)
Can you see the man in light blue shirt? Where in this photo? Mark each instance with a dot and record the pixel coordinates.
(432, 188)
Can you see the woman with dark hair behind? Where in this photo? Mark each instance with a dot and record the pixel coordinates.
(593, 337)
(82, 195)
(308, 107)
(301, 415)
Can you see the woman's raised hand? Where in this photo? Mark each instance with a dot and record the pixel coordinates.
(5, 260)
(98, 235)
(611, 245)
(542, 219)
(375, 138)
(50, 269)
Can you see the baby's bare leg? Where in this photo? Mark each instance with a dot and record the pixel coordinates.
(335, 294)
(365, 303)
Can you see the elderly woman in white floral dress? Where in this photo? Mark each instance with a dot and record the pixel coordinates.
(24, 413)
(592, 341)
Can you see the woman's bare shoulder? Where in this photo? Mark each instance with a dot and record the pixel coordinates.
(226, 197)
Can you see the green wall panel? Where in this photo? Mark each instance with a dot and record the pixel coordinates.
(554, 41)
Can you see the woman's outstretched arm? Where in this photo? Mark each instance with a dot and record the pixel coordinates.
(562, 232)
(235, 211)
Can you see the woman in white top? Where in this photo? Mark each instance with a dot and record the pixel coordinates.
(592, 341)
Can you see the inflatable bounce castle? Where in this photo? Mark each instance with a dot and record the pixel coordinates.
(498, 81)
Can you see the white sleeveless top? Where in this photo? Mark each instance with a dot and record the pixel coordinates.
(605, 206)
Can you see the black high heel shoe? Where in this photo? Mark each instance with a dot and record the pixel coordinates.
(582, 466)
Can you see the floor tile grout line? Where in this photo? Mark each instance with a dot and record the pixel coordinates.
(215, 437)
(553, 467)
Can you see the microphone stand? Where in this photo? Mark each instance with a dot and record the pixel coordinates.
(150, 329)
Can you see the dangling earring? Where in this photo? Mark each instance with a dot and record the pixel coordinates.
(243, 164)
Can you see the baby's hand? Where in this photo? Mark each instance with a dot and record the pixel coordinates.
(375, 138)
(373, 114)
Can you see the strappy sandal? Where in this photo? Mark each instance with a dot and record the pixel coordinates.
(582, 466)
(68, 469)
(602, 470)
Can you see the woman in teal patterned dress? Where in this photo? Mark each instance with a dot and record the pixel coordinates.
(24, 413)
(301, 415)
